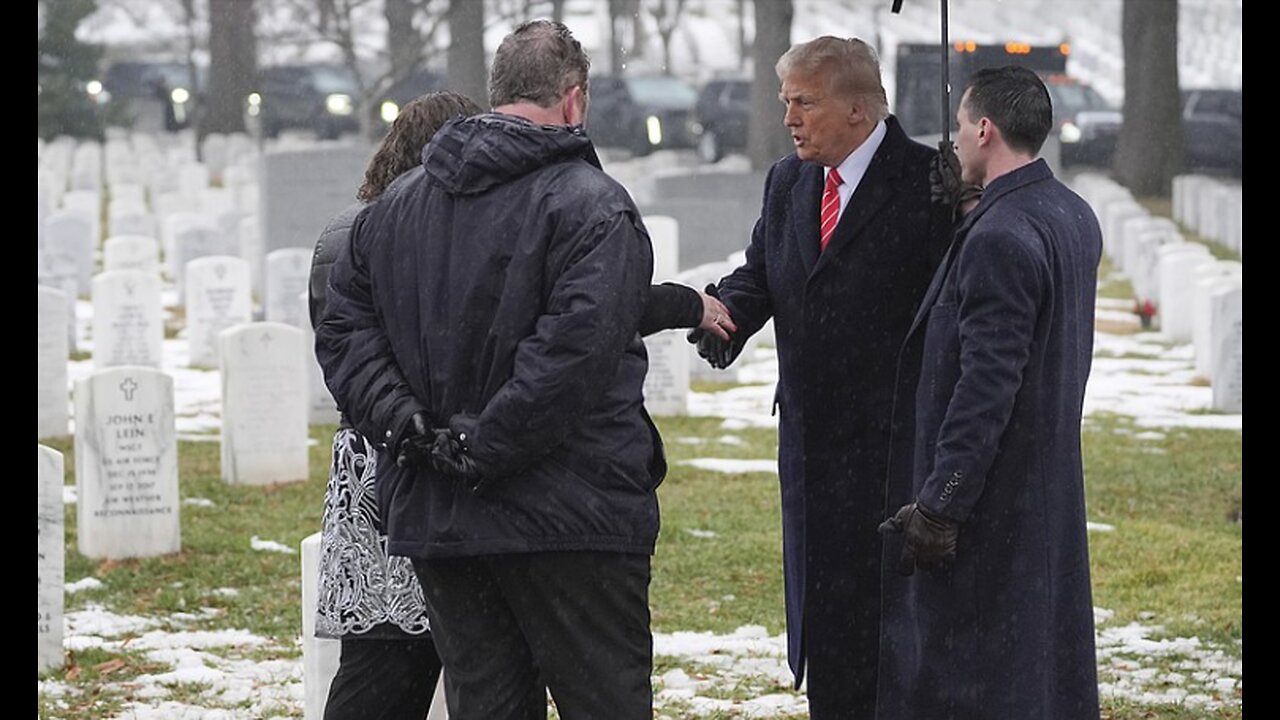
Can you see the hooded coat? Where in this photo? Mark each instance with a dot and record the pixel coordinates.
(504, 282)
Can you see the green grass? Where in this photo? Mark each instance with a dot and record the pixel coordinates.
(1111, 283)
(1172, 560)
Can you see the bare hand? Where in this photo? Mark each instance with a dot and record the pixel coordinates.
(715, 318)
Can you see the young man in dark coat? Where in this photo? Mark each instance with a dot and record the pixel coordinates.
(996, 620)
(506, 279)
(845, 246)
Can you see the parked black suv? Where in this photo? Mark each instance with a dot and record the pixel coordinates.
(320, 98)
(723, 112)
(642, 113)
(1213, 132)
(150, 95)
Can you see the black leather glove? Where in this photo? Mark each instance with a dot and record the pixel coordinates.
(929, 539)
(414, 448)
(718, 353)
(946, 182)
(944, 176)
(450, 458)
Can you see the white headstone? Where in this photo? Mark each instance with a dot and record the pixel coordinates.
(131, 220)
(1134, 230)
(214, 151)
(131, 252)
(193, 178)
(666, 386)
(319, 655)
(1114, 216)
(50, 559)
(1202, 318)
(86, 167)
(251, 250)
(51, 363)
(1228, 349)
(288, 275)
(215, 200)
(217, 297)
(69, 245)
(1146, 262)
(264, 404)
(130, 193)
(197, 240)
(1176, 265)
(126, 464)
(128, 327)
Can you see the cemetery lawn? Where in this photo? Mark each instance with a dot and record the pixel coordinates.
(1174, 558)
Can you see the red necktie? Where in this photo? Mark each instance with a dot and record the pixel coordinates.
(830, 207)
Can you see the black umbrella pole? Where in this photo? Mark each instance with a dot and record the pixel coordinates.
(945, 46)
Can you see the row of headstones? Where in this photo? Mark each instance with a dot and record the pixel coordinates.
(155, 161)
(1191, 297)
(126, 447)
(203, 221)
(1212, 207)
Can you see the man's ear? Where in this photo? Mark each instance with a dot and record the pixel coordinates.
(857, 110)
(573, 106)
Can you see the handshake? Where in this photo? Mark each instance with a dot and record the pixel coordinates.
(443, 450)
(713, 335)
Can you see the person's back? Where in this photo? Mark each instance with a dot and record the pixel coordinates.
(506, 280)
(511, 274)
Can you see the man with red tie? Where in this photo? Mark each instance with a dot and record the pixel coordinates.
(844, 249)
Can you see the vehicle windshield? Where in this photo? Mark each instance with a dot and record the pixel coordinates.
(667, 92)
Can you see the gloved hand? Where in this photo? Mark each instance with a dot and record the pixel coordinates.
(450, 458)
(945, 176)
(929, 539)
(414, 448)
(719, 352)
(946, 183)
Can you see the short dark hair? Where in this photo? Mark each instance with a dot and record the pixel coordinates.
(538, 62)
(401, 149)
(1015, 100)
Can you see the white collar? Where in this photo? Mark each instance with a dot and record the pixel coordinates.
(855, 164)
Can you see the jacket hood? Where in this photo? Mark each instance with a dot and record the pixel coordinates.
(474, 154)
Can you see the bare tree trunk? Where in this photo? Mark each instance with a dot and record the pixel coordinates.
(232, 65)
(617, 59)
(767, 139)
(467, 74)
(667, 19)
(404, 44)
(742, 34)
(1150, 149)
(557, 10)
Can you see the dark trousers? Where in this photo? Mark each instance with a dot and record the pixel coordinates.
(383, 680)
(576, 622)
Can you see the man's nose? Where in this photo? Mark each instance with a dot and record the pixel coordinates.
(791, 117)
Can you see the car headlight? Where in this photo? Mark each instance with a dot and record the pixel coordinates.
(389, 111)
(179, 95)
(93, 87)
(654, 128)
(339, 104)
(1070, 133)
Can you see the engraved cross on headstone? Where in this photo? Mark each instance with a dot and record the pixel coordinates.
(128, 387)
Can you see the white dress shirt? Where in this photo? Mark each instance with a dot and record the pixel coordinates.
(855, 165)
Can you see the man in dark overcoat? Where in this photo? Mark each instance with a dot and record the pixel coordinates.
(997, 619)
(843, 251)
